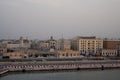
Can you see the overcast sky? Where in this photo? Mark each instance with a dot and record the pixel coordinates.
(39, 19)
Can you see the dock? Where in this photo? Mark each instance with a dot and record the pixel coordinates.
(62, 65)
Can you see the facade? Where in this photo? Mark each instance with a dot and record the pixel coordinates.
(52, 43)
(2, 51)
(63, 44)
(118, 50)
(24, 43)
(111, 44)
(34, 45)
(61, 48)
(68, 54)
(40, 45)
(88, 45)
(44, 46)
(39, 54)
(67, 44)
(74, 44)
(3, 45)
(109, 52)
(21, 43)
(13, 45)
(14, 55)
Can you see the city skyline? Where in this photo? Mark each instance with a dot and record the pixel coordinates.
(40, 19)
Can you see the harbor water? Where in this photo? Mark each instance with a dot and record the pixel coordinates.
(113, 74)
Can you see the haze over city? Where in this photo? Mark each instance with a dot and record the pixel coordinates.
(40, 19)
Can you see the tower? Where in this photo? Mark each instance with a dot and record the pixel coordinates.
(52, 43)
(21, 42)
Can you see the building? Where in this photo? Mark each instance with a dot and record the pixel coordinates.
(32, 53)
(109, 52)
(52, 43)
(24, 43)
(63, 44)
(111, 44)
(14, 55)
(68, 54)
(87, 45)
(118, 50)
(40, 45)
(74, 44)
(3, 44)
(13, 45)
(44, 46)
(2, 51)
(21, 43)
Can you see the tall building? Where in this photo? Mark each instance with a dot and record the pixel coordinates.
(87, 45)
(63, 44)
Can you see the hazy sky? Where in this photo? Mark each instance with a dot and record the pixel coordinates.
(39, 19)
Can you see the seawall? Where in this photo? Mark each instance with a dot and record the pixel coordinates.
(52, 66)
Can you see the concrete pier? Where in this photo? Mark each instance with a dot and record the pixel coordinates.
(51, 66)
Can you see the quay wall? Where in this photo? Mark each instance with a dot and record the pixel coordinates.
(52, 66)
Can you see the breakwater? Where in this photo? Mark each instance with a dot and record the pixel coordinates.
(56, 65)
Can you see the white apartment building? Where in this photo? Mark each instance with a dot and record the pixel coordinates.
(87, 45)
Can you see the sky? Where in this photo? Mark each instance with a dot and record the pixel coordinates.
(40, 19)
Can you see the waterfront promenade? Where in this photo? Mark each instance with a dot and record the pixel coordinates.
(58, 65)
